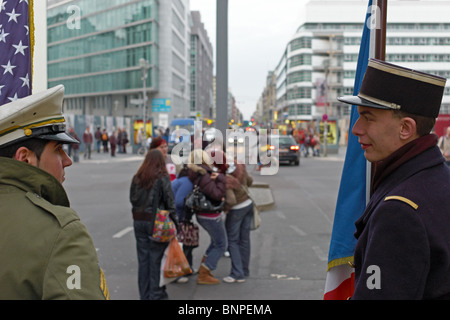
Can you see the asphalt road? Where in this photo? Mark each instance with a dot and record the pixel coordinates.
(288, 252)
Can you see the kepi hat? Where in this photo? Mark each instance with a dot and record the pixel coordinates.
(35, 116)
(391, 87)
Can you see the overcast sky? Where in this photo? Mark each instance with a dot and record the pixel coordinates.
(258, 32)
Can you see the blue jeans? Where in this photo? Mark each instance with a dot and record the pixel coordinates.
(150, 254)
(238, 233)
(216, 230)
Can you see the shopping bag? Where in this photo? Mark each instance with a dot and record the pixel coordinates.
(189, 234)
(176, 264)
(164, 228)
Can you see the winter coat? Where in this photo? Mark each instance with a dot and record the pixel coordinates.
(237, 182)
(142, 200)
(46, 251)
(214, 189)
(181, 187)
(403, 247)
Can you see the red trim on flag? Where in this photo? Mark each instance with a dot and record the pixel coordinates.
(343, 291)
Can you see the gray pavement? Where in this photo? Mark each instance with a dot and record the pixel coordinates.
(289, 250)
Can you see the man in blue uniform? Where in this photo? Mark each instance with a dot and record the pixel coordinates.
(403, 237)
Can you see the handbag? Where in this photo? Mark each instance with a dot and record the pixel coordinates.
(256, 219)
(164, 228)
(188, 234)
(176, 264)
(196, 201)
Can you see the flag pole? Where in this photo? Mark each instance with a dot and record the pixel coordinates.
(380, 54)
(380, 42)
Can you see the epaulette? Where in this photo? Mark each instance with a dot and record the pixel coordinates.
(64, 215)
(402, 199)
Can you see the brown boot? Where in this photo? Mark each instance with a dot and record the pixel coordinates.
(205, 276)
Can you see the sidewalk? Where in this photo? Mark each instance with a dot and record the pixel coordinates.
(103, 157)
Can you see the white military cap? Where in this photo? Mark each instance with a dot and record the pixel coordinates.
(35, 116)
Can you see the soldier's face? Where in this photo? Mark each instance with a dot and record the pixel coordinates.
(53, 160)
(378, 132)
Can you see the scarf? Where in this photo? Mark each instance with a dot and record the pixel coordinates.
(385, 167)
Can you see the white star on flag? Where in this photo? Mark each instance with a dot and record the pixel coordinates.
(8, 68)
(13, 15)
(19, 48)
(15, 50)
(26, 81)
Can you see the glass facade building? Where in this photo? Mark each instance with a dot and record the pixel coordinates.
(95, 47)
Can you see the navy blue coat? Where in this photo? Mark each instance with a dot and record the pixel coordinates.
(403, 247)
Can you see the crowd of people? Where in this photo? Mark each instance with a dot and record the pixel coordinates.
(223, 182)
(104, 142)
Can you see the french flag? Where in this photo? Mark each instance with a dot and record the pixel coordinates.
(353, 191)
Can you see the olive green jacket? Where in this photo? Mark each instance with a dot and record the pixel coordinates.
(46, 252)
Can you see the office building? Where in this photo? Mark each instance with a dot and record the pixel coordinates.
(95, 49)
(319, 62)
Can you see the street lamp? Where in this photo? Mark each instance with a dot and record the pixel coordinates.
(145, 65)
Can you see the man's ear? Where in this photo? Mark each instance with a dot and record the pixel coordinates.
(408, 129)
(25, 155)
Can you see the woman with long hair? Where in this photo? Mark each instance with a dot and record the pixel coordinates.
(150, 181)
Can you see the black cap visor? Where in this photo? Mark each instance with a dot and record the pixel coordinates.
(357, 101)
(60, 137)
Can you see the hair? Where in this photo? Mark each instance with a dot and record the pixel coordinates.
(34, 144)
(156, 142)
(424, 125)
(153, 167)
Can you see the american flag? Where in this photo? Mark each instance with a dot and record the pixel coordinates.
(15, 50)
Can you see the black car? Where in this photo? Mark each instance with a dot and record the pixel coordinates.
(288, 149)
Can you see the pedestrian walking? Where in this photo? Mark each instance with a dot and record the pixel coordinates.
(403, 237)
(88, 139)
(212, 184)
(124, 140)
(47, 252)
(150, 181)
(98, 139)
(113, 143)
(105, 140)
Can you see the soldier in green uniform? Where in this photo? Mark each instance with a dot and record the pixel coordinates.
(46, 252)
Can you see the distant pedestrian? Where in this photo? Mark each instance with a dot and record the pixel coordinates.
(88, 139)
(124, 140)
(113, 143)
(98, 139)
(105, 140)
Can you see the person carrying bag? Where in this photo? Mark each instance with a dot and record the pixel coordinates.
(151, 190)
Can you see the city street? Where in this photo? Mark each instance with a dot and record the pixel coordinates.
(289, 250)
